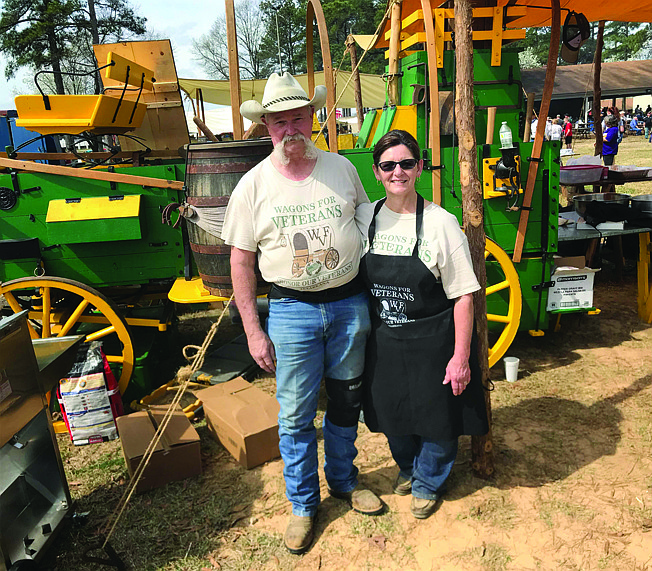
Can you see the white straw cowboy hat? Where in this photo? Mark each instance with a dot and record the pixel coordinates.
(282, 93)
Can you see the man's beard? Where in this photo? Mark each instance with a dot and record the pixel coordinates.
(309, 149)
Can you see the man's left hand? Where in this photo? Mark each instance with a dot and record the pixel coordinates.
(458, 374)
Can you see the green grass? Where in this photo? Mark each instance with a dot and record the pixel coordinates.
(550, 510)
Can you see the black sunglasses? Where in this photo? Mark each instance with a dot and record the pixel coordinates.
(406, 165)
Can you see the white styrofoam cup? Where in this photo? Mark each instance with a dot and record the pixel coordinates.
(511, 368)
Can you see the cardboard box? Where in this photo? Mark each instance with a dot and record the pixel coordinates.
(176, 456)
(572, 285)
(243, 419)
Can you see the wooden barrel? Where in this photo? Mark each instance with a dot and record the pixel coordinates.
(212, 172)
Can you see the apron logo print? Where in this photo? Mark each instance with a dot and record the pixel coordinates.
(393, 312)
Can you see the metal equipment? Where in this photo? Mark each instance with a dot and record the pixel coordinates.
(34, 496)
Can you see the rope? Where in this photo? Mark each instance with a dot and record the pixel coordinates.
(586, 90)
(373, 41)
(184, 374)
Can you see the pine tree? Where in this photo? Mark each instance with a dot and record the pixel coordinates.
(57, 35)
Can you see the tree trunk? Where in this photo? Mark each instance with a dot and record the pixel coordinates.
(597, 90)
(472, 211)
(55, 62)
(95, 35)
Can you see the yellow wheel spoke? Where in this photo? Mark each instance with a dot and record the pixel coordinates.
(58, 313)
(47, 308)
(74, 318)
(498, 318)
(99, 334)
(497, 287)
(15, 306)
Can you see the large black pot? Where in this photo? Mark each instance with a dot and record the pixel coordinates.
(581, 200)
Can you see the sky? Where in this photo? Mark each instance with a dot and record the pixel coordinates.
(177, 20)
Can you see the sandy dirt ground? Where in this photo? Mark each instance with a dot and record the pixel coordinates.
(573, 481)
(572, 487)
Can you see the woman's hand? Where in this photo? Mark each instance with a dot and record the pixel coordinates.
(458, 374)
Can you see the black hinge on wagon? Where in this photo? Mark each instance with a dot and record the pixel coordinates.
(543, 285)
(427, 164)
(16, 186)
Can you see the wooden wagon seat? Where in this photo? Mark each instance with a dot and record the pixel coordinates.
(111, 113)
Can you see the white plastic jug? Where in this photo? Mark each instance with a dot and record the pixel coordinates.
(505, 136)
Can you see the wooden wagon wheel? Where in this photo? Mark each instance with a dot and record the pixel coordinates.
(509, 287)
(59, 307)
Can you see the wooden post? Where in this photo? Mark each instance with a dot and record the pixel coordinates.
(234, 71)
(528, 117)
(91, 174)
(548, 84)
(434, 115)
(357, 87)
(472, 211)
(491, 125)
(204, 129)
(394, 43)
(597, 89)
(314, 11)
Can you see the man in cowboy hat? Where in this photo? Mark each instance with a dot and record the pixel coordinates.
(294, 214)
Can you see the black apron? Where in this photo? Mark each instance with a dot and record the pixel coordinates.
(412, 340)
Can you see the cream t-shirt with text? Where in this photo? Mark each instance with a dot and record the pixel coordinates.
(443, 247)
(304, 231)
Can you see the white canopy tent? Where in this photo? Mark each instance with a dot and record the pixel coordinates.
(217, 91)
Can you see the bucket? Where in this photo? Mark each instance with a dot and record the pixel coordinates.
(212, 172)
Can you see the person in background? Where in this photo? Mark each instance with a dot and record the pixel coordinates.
(610, 140)
(295, 202)
(568, 132)
(633, 125)
(556, 130)
(608, 113)
(533, 128)
(548, 129)
(647, 123)
(422, 382)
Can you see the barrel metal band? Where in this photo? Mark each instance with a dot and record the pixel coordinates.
(207, 200)
(220, 168)
(209, 249)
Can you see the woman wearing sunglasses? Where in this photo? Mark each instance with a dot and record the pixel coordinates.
(422, 380)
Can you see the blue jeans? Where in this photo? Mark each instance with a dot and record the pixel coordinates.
(426, 462)
(313, 341)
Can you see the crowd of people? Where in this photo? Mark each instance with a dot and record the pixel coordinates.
(614, 126)
(557, 129)
(373, 300)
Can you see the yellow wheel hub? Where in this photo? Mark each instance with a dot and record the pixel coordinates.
(59, 307)
(509, 284)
